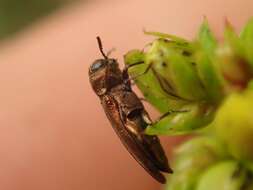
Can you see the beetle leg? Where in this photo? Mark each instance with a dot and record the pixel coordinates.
(125, 70)
(125, 74)
(145, 71)
(168, 113)
(146, 118)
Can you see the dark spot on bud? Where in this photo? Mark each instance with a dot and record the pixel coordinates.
(164, 64)
(186, 53)
(166, 40)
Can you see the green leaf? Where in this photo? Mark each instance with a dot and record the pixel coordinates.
(206, 66)
(227, 175)
(206, 39)
(210, 75)
(167, 36)
(134, 56)
(195, 117)
(247, 40)
(233, 40)
(192, 158)
(247, 31)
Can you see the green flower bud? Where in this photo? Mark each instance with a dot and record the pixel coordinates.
(227, 175)
(149, 84)
(233, 59)
(191, 159)
(197, 115)
(175, 69)
(234, 69)
(234, 125)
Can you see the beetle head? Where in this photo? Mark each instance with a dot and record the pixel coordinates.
(104, 73)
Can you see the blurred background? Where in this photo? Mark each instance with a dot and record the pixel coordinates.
(53, 132)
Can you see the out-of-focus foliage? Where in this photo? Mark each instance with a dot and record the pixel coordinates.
(16, 14)
(234, 125)
(191, 159)
(227, 175)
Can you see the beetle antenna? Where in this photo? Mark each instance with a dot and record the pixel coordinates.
(101, 47)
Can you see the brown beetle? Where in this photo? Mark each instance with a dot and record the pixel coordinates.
(127, 115)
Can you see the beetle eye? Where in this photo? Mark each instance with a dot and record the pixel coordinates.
(98, 64)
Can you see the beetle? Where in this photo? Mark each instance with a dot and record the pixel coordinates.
(127, 114)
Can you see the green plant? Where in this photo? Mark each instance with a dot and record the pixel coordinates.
(207, 88)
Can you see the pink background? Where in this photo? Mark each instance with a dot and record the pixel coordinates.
(53, 132)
